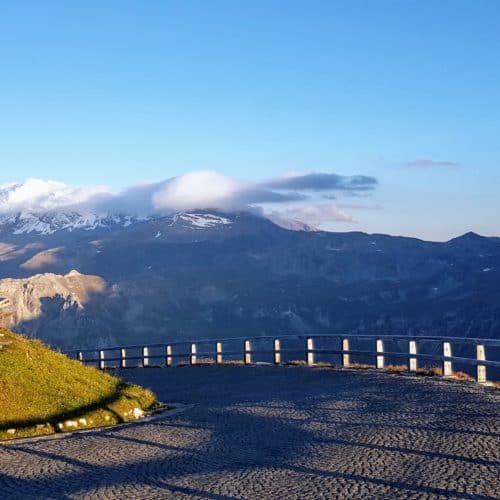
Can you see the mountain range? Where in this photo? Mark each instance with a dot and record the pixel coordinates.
(78, 279)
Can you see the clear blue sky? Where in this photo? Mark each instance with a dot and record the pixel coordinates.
(119, 92)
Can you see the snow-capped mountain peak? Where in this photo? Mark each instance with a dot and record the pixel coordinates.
(50, 223)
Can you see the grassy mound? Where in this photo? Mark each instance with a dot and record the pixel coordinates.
(42, 392)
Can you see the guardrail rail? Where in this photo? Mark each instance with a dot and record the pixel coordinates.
(415, 351)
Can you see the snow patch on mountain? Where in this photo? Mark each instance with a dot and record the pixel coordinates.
(203, 220)
(290, 224)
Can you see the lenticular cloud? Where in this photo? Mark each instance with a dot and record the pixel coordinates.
(300, 195)
(203, 189)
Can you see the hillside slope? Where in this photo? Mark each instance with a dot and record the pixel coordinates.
(42, 392)
(202, 275)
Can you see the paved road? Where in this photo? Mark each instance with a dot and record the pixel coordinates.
(268, 432)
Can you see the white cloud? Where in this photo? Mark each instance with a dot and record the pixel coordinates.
(201, 189)
(42, 196)
(318, 214)
(299, 196)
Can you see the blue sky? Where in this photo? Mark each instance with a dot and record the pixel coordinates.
(122, 92)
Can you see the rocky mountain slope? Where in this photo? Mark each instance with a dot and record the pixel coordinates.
(209, 274)
(50, 303)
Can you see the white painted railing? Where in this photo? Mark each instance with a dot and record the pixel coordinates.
(315, 347)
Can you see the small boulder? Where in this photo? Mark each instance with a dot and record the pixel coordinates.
(137, 413)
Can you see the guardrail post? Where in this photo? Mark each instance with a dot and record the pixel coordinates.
(412, 361)
(380, 353)
(277, 351)
(481, 369)
(168, 357)
(123, 358)
(79, 356)
(310, 351)
(248, 352)
(102, 363)
(193, 354)
(218, 353)
(145, 357)
(346, 357)
(447, 366)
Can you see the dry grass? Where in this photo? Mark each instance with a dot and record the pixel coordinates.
(396, 369)
(296, 362)
(360, 366)
(205, 362)
(210, 362)
(463, 376)
(429, 372)
(40, 389)
(199, 362)
(233, 362)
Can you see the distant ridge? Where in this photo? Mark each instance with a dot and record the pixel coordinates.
(208, 273)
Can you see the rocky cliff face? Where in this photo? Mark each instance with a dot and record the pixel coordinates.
(48, 303)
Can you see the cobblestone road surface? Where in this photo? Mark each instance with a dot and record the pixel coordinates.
(270, 432)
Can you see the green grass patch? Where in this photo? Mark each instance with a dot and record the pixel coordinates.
(42, 392)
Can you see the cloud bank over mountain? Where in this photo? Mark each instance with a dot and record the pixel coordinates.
(37, 195)
(301, 196)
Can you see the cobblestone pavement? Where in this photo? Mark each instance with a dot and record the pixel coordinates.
(270, 432)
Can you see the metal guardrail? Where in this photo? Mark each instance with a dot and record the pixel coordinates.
(273, 349)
